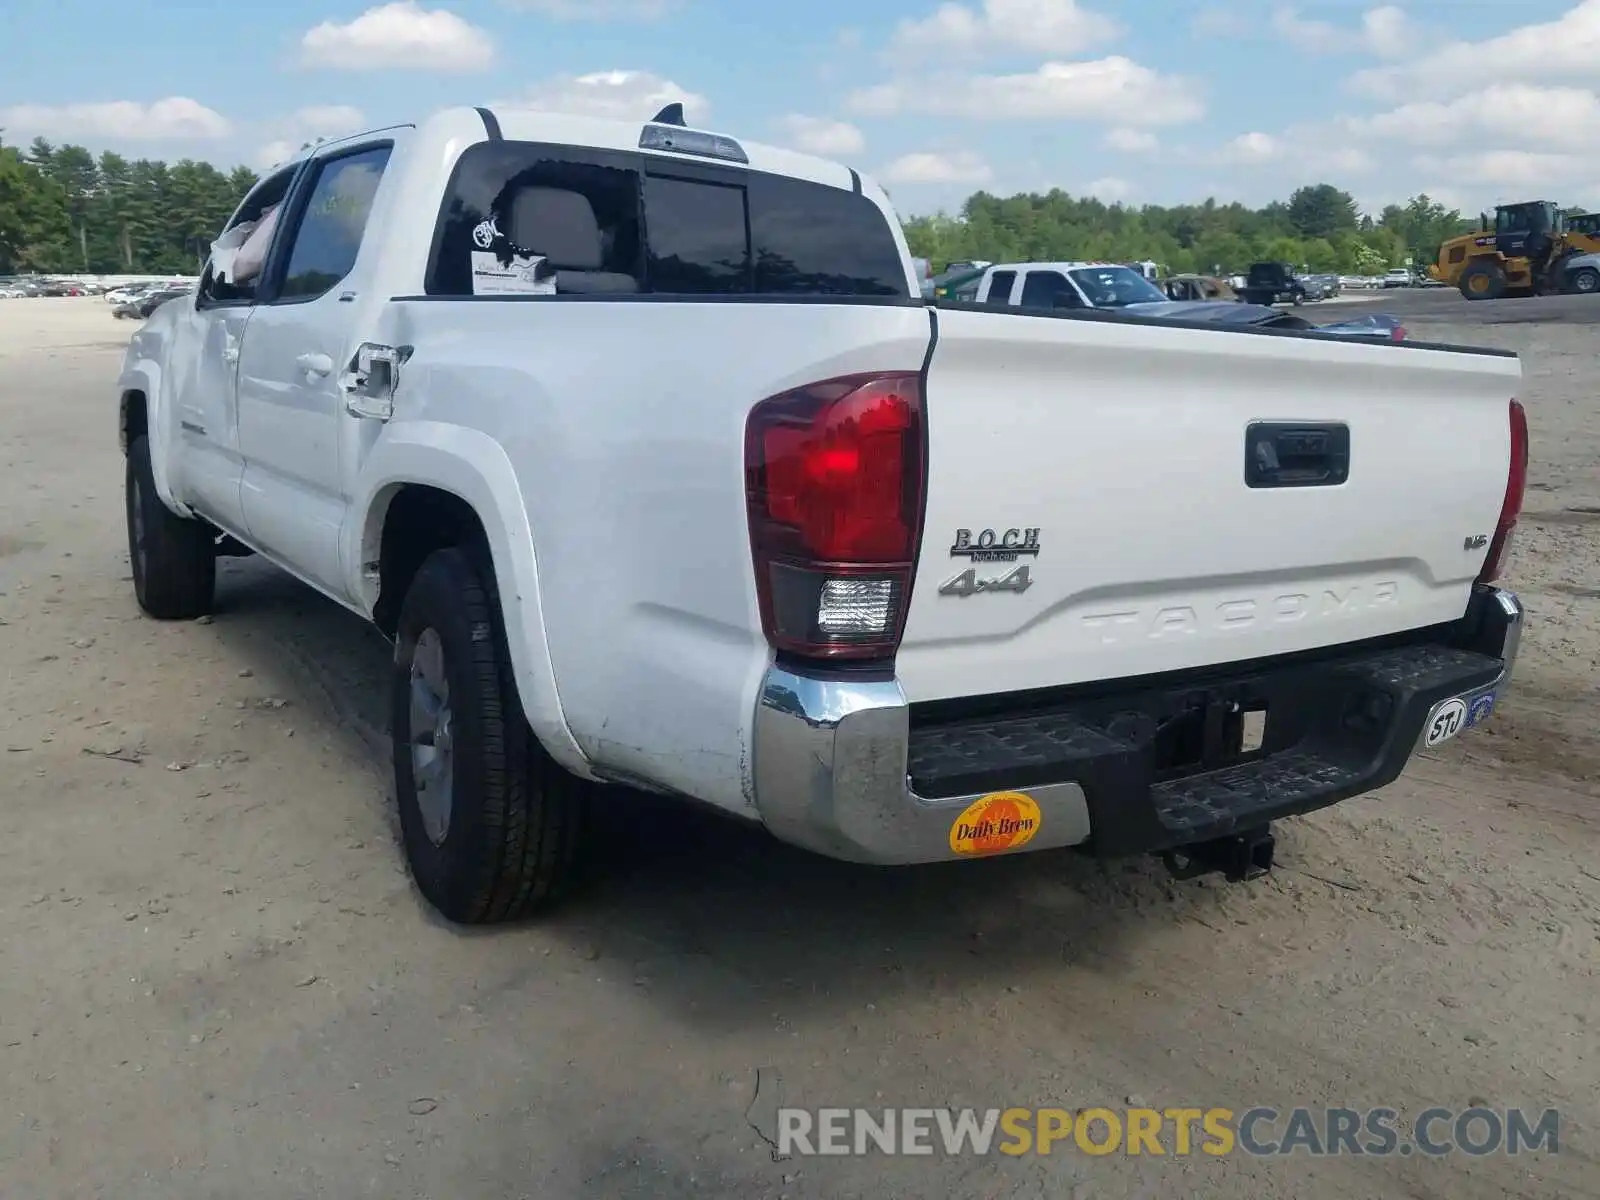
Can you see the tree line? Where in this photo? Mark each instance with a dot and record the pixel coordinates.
(1319, 227)
(64, 210)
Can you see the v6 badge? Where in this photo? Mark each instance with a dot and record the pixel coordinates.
(968, 583)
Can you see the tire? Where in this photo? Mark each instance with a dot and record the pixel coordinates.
(505, 841)
(1585, 281)
(173, 558)
(1483, 280)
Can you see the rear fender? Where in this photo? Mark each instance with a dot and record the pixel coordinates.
(473, 466)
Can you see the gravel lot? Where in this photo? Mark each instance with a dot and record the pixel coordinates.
(218, 981)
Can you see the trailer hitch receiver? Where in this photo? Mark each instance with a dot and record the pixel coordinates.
(1239, 857)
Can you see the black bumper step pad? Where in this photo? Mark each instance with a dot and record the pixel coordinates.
(1160, 765)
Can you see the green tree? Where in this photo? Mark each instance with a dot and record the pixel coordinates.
(1322, 211)
(62, 210)
(34, 229)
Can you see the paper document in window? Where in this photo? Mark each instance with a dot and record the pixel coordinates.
(524, 275)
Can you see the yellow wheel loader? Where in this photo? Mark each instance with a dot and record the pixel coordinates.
(1519, 254)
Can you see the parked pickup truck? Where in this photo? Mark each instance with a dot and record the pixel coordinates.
(641, 446)
(1274, 283)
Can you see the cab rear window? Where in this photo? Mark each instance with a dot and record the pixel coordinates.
(532, 219)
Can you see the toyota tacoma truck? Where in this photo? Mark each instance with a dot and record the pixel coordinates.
(640, 444)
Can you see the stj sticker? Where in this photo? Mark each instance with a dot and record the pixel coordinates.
(995, 823)
(524, 275)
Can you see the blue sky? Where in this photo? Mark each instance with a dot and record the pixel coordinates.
(1154, 101)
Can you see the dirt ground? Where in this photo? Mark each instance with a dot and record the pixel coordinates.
(218, 981)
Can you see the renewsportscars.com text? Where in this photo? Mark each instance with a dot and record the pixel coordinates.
(1178, 1132)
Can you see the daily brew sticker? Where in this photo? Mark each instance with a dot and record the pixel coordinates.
(995, 823)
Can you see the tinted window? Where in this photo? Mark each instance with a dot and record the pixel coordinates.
(1000, 285)
(704, 229)
(329, 234)
(481, 202)
(696, 237)
(812, 239)
(1040, 289)
(1114, 287)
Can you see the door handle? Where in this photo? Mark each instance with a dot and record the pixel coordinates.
(315, 364)
(230, 355)
(1289, 454)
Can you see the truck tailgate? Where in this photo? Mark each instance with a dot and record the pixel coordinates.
(1123, 449)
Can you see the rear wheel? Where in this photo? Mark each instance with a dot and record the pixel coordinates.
(173, 558)
(1585, 280)
(491, 824)
(1483, 280)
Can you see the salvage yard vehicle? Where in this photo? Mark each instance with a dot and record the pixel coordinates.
(640, 445)
(1272, 283)
(1581, 274)
(1523, 251)
(1198, 287)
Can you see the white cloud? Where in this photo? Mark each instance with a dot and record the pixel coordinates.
(596, 10)
(1515, 114)
(1110, 189)
(274, 153)
(1039, 26)
(329, 120)
(1133, 141)
(1388, 31)
(308, 125)
(1516, 169)
(1110, 89)
(174, 117)
(1564, 49)
(1309, 152)
(1384, 31)
(625, 95)
(1253, 147)
(818, 135)
(961, 166)
(398, 35)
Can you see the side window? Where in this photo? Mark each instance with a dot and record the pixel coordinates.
(1040, 289)
(1000, 285)
(329, 234)
(696, 235)
(532, 219)
(812, 239)
(521, 218)
(226, 285)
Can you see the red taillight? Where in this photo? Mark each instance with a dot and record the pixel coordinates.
(834, 486)
(1511, 506)
(1398, 333)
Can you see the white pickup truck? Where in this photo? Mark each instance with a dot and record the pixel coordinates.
(642, 447)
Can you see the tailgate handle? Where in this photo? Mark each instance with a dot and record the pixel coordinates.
(1280, 454)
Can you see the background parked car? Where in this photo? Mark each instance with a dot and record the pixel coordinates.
(1198, 287)
(1581, 273)
(1272, 283)
(142, 306)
